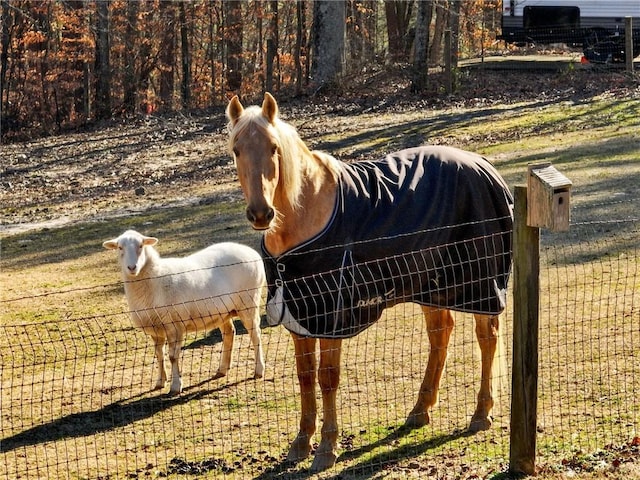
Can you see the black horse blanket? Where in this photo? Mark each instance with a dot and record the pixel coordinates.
(430, 225)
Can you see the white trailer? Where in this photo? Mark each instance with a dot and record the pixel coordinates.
(596, 25)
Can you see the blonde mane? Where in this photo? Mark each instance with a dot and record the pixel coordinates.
(293, 152)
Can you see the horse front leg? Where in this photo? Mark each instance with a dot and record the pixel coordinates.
(487, 328)
(439, 327)
(305, 353)
(328, 378)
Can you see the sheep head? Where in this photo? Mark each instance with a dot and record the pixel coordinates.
(132, 253)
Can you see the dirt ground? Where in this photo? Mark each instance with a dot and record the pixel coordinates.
(128, 165)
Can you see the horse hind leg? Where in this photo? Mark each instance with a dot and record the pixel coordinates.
(439, 327)
(487, 328)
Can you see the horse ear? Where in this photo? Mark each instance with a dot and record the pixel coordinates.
(234, 110)
(269, 107)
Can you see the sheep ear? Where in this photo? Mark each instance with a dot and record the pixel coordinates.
(149, 241)
(110, 244)
(269, 108)
(234, 110)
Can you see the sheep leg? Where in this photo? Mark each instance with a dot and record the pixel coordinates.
(439, 328)
(161, 379)
(250, 318)
(487, 335)
(175, 347)
(228, 331)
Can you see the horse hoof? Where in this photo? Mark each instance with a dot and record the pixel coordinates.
(480, 424)
(322, 461)
(417, 420)
(299, 451)
(219, 374)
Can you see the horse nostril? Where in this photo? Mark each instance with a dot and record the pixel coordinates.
(250, 215)
(270, 214)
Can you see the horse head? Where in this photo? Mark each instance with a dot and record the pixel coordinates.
(254, 144)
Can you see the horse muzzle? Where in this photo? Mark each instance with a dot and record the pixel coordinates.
(260, 218)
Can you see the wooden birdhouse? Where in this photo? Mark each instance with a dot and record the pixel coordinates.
(548, 195)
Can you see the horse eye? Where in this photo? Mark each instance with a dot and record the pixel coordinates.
(236, 152)
(274, 149)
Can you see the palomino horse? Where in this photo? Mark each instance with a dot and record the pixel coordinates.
(342, 242)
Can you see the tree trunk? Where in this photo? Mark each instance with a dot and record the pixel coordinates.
(233, 43)
(6, 20)
(185, 56)
(103, 66)
(421, 44)
(297, 54)
(213, 23)
(454, 26)
(272, 47)
(130, 72)
(369, 27)
(442, 17)
(167, 53)
(328, 40)
(398, 14)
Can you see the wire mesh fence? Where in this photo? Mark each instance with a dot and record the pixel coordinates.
(77, 398)
(77, 401)
(589, 333)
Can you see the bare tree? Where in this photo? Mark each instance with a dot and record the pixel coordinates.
(233, 43)
(130, 46)
(167, 53)
(185, 56)
(441, 22)
(328, 40)
(103, 64)
(454, 26)
(272, 46)
(421, 44)
(398, 15)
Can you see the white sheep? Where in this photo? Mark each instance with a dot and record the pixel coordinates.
(169, 297)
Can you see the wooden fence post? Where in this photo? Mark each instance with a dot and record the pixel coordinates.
(526, 293)
(628, 43)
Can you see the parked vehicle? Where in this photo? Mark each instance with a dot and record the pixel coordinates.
(597, 26)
